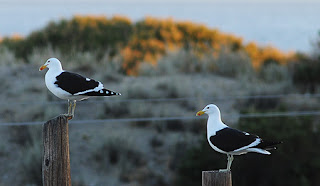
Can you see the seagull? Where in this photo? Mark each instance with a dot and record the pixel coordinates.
(231, 141)
(71, 86)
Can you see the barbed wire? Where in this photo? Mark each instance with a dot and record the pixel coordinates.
(128, 120)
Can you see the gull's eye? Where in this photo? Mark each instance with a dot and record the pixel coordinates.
(208, 107)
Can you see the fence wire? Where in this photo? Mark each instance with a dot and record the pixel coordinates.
(215, 98)
(126, 120)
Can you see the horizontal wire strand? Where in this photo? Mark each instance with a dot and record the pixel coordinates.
(126, 120)
(216, 98)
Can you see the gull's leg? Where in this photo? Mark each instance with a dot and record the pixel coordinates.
(74, 107)
(68, 115)
(228, 164)
(69, 107)
(228, 158)
(231, 160)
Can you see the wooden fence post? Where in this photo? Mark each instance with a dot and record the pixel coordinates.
(216, 178)
(56, 160)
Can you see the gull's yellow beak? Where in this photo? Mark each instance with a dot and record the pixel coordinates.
(200, 113)
(43, 67)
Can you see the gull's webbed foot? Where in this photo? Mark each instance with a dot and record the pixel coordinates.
(69, 116)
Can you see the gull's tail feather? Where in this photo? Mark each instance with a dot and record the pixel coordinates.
(102, 92)
(268, 145)
(258, 150)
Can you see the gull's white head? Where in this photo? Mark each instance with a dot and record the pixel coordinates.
(210, 109)
(53, 63)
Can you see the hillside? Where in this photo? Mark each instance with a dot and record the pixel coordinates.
(144, 41)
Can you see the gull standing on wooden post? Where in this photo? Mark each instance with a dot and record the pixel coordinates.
(230, 141)
(71, 86)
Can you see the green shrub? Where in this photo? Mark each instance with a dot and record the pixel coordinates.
(274, 73)
(232, 64)
(305, 73)
(316, 48)
(187, 61)
(175, 125)
(8, 58)
(30, 165)
(20, 135)
(117, 152)
(85, 33)
(259, 103)
(114, 109)
(156, 142)
(4, 149)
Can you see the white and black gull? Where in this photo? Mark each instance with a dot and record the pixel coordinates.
(71, 86)
(231, 141)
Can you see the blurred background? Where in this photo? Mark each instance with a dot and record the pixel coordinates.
(258, 61)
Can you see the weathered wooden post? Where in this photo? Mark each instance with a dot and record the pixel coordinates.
(216, 178)
(56, 160)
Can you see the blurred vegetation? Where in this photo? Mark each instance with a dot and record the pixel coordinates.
(144, 41)
(30, 168)
(306, 73)
(117, 152)
(89, 33)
